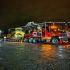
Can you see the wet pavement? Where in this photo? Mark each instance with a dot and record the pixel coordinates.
(23, 56)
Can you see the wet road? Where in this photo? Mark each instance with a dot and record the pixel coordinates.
(19, 56)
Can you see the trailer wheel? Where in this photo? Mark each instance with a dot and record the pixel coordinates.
(54, 41)
(44, 41)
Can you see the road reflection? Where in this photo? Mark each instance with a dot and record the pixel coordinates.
(28, 56)
(1, 44)
(51, 52)
(48, 51)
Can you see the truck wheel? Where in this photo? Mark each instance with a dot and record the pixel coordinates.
(54, 41)
(30, 40)
(34, 41)
(39, 40)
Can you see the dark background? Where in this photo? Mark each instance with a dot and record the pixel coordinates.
(18, 12)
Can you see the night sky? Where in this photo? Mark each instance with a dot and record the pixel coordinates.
(18, 12)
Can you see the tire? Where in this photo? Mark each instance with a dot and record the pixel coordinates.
(39, 41)
(44, 41)
(30, 40)
(34, 41)
(54, 41)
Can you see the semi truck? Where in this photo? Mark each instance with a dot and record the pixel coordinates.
(54, 33)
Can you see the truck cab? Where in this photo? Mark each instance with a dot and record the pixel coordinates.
(19, 34)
